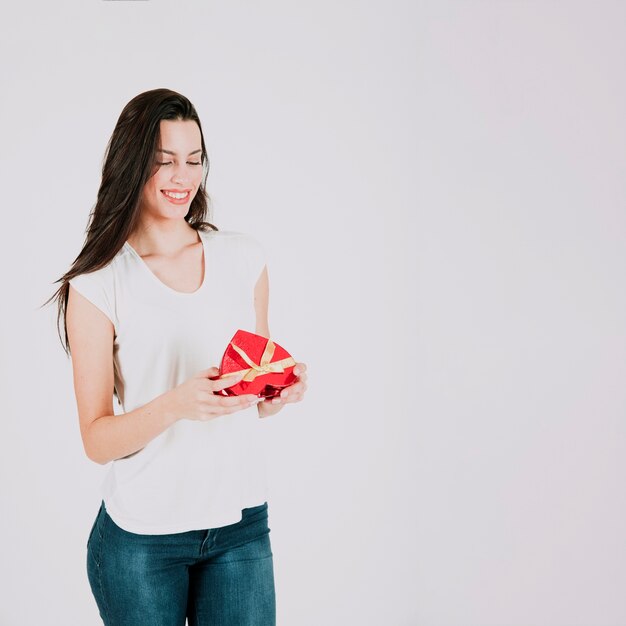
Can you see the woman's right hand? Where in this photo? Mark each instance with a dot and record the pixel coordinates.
(195, 398)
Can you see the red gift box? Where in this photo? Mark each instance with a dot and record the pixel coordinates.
(268, 366)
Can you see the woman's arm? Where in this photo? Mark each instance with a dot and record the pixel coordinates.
(261, 306)
(105, 436)
(295, 391)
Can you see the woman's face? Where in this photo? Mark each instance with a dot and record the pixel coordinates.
(169, 192)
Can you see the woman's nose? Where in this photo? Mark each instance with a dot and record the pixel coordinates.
(180, 174)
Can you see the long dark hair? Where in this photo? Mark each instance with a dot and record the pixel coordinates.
(129, 163)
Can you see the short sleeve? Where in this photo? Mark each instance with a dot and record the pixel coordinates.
(98, 289)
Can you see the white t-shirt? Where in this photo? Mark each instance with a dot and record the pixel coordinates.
(195, 474)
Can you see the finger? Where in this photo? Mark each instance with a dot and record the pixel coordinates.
(299, 368)
(207, 373)
(293, 397)
(227, 381)
(223, 409)
(302, 377)
(298, 387)
(237, 401)
(295, 393)
(230, 409)
(298, 381)
(289, 399)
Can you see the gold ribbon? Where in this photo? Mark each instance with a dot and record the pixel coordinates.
(264, 367)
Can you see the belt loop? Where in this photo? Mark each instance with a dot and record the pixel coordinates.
(209, 539)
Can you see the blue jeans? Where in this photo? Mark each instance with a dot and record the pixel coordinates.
(214, 577)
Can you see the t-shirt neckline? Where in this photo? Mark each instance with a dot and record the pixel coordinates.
(167, 287)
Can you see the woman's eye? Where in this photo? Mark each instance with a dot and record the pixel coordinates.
(189, 162)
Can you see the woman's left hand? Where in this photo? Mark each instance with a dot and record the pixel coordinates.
(293, 393)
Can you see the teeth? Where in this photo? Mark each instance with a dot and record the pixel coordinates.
(177, 196)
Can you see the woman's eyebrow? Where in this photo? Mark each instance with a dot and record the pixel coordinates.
(174, 153)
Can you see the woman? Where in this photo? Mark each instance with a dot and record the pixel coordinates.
(154, 296)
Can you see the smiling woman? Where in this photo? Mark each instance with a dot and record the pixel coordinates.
(173, 183)
(177, 196)
(151, 301)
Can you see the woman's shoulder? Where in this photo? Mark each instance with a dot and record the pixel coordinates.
(98, 286)
(107, 271)
(244, 246)
(225, 234)
(235, 238)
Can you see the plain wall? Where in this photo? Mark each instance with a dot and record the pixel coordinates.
(440, 187)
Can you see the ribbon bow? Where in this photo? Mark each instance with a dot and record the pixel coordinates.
(265, 366)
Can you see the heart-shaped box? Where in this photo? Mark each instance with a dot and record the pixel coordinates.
(268, 367)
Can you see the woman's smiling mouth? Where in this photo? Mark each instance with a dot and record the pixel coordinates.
(176, 197)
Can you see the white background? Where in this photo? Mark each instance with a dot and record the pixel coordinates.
(441, 188)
